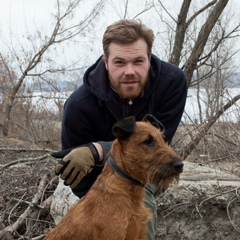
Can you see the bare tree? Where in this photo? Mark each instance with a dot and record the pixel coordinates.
(61, 32)
(205, 128)
(205, 57)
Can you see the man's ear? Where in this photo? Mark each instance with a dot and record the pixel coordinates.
(105, 61)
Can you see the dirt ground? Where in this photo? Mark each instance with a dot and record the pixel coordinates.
(205, 205)
(214, 219)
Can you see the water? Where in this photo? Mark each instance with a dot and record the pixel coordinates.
(50, 102)
(192, 111)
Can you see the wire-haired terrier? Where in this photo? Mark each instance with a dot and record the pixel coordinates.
(114, 207)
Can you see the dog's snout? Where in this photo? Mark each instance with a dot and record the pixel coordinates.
(178, 165)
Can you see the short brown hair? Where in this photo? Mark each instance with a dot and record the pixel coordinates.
(127, 31)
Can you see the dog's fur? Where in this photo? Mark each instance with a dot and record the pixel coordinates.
(114, 206)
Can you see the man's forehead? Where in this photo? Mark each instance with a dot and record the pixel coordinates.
(126, 57)
(127, 51)
(138, 44)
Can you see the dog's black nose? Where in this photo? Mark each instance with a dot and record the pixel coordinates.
(178, 165)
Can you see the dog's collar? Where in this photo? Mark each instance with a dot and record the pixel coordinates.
(122, 173)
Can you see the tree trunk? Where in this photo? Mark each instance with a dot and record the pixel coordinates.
(200, 43)
(180, 33)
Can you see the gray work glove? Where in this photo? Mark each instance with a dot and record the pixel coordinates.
(76, 163)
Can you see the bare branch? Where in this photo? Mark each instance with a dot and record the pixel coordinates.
(199, 12)
(21, 220)
(147, 8)
(125, 9)
(218, 42)
(192, 145)
(219, 194)
(168, 13)
(202, 38)
(24, 160)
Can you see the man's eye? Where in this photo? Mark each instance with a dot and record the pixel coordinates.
(139, 61)
(119, 62)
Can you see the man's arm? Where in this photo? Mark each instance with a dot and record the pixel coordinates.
(170, 103)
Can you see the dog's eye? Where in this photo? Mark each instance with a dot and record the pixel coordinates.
(148, 141)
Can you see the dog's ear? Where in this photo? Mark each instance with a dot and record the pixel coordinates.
(150, 118)
(124, 128)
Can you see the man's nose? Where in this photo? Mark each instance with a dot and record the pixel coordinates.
(129, 70)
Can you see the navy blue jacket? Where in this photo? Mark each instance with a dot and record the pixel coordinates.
(93, 108)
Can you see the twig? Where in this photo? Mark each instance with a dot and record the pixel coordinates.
(175, 207)
(24, 160)
(25, 149)
(9, 220)
(219, 194)
(21, 220)
(229, 217)
(29, 203)
(196, 206)
(39, 237)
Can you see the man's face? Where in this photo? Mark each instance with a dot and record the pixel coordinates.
(128, 66)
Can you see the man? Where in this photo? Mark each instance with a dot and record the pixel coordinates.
(128, 80)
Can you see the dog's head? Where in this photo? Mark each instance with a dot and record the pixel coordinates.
(141, 150)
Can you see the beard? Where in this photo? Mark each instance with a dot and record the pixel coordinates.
(128, 88)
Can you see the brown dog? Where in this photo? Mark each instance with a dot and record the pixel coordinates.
(114, 206)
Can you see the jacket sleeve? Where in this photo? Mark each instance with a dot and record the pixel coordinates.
(78, 129)
(170, 102)
(77, 122)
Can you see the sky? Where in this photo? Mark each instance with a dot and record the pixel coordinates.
(20, 19)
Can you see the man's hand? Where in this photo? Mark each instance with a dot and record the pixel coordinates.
(76, 163)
